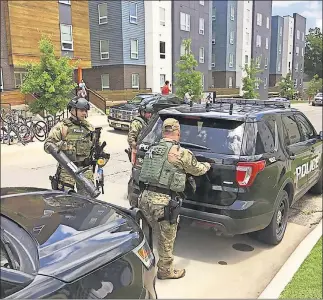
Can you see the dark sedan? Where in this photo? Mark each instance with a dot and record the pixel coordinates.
(55, 245)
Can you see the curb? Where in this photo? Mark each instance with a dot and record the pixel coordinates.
(291, 266)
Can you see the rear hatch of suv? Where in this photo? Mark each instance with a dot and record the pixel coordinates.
(221, 141)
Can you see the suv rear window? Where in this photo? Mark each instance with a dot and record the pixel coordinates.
(217, 135)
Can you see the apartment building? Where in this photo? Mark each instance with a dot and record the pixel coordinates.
(298, 51)
(260, 50)
(192, 19)
(224, 43)
(117, 34)
(22, 25)
(276, 50)
(158, 43)
(288, 45)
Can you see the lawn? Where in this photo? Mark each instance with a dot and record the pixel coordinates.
(307, 281)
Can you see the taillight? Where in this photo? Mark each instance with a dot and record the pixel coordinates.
(246, 172)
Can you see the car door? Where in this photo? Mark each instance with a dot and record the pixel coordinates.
(298, 153)
(310, 137)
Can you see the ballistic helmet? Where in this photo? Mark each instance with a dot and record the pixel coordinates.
(78, 103)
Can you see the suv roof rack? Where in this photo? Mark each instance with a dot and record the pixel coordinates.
(275, 103)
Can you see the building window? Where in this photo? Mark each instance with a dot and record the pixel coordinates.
(105, 81)
(289, 64)
(133, 12)
(201, 26)
(278, 66)
(19, 78)
(246, 59)
(298, 34)
(247, 38)
(257, 83)
(300, 82)
(301, 68)
(162, 79)
(104, 49)
(202, 2)
(248, 15)
(280, 49)
(201, 55)
(280, 31)
(230, 82)
(185, 21)
(267, 23)
(258, 41)
(66, 37)
(213, 13)
(267, 43)
(259, 19)
(103, 13)
(134, 44)
(302, 51)
(183, 50)
(230, 60)
(258, 61)
(135, 81)
(295, 83)
(266, 62)
(296, 67)
(202, 79)
(1, 80)
(303, 37)
(265, 82)
(231, 37)
(291, 31)
(68, 2)
(162, 16)
(232, 12)
(297, 50)
(162, 50)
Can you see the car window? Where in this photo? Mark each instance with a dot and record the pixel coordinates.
(219, 135)
(306, 128)
(265, 140)
(291, 131)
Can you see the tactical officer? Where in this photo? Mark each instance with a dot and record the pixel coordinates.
(162, 179)
(73, 136)
(138, 123)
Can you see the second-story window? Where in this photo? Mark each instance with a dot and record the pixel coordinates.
(103, 13)
(185, 20)
(259, 19)
(162, 16)
(162, 50)
(66, 37)
(134, 45)
(258, 41)
(267, 23)
(231, 13)
(201, 26)
(133, 12)
(201, 56)
(104, 49)
(231, 37)
(267, 43)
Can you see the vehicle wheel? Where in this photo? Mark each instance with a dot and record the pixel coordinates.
(317, 188)
(274, 232)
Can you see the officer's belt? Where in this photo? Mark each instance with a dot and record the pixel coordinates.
(159, 190)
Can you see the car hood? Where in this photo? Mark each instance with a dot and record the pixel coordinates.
(74, 234)
(126, 106)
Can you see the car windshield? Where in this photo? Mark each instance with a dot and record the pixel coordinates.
(319, 95)
(215, 135)
(136, 99)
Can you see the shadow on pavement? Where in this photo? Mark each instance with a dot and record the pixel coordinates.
(117, 131)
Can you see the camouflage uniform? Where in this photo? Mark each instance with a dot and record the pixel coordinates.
(135, 128)
(75, 141)
(152, 204)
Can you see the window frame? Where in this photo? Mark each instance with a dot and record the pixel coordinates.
(298, 34)
(187, 21)
(104, 53)
(258, 41)
(104, 88)
(298, 116)
(67, 42)
(162, 82)
(132, 80)
(201, 30)
(231, 62)
(21, 78)
(104, 17)
(297, 50)
(133, 19)
(267, 23)
(161, 53)
(231, 37)
(266, 63)
(281, 31)
(132, 52)
(202, 58)
(162, 22)
(67, 2)
(280, 49)
(259, 19)
(267, 43)
(232, 12)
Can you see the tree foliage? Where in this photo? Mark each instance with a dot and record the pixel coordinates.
(315, 86)
(51, 80)
(188, 80)
(286, 86)
(250, 80)
(313, 53)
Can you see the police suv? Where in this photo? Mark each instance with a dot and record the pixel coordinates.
(264, 156)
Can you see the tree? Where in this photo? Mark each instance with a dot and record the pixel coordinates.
(286, 86)
(188, 80)
(314, 87)
(51, 80)
(250, 81)
(313, 53)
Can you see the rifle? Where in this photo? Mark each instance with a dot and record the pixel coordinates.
(99, 158)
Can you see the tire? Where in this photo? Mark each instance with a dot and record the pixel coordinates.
(274, 234)
(40, 131)
(318, 187)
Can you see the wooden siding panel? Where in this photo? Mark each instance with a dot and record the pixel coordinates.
(81, 32)
(12, 97)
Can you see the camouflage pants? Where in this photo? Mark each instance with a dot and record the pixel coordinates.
(66, 178)
(152, 205)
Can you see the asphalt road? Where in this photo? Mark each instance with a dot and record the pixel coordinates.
(217, 267)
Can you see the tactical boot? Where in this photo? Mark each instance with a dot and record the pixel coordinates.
(170, 274)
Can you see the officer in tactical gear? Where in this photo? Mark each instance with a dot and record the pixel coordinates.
(138, 123)
(74, 137)
(162, 181)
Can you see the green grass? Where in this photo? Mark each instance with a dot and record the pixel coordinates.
(307, 281)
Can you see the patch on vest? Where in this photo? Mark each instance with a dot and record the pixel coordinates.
(78, 130)
(194, 161)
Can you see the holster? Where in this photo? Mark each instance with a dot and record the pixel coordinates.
(172, 210)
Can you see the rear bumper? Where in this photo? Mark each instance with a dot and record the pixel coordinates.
(247, 218)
